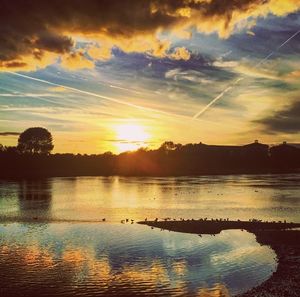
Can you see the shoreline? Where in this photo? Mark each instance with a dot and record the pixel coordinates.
(285, 281)
(215, 226)
(40, 175)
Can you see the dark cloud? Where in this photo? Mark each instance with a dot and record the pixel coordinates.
(9, 133)
(15, 64)
(286, 120)
(53, 42)
(31, 29)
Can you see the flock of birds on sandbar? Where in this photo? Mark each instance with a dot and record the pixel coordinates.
(124, 221)
(215, 220)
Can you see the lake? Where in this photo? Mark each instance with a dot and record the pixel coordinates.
(54, 243)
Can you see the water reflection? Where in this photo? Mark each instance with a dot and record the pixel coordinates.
(217, 291)
(35, 198)
(50, 259)
(111, 259)
(115, 198)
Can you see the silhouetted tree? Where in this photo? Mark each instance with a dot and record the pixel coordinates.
(35, 140)
(170, 146)
(11, 150)
(169, 159)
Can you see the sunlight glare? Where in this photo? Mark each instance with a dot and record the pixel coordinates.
(130, 137)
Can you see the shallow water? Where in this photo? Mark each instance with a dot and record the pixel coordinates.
(52, 245)
(102, 258)
(273, 197)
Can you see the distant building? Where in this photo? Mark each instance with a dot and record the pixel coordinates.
(285, 149)
(285, 155)
(257, 148)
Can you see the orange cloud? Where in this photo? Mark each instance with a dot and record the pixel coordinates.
(35, 36)
(294, 75)
(180, 53)
(29, 62)
(76, 60)
(99, 53)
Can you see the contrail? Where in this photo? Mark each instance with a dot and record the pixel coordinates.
(295, 34)
(239, 79)
(216, 99)
(280, 46)
(143, 108)
(124, 89)
(171, 115)
(175, 117)
(29, 95)
(84, 92)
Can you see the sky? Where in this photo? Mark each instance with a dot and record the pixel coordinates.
(109, 75)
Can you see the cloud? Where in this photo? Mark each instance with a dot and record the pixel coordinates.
(130, 141)
(225, 64)
(76, 60)
(293, 76)
(37, 33)
(266, 71)
(286, 120)
(54, 43)
(9, 133)
(188, 75)
(29, 62)
(57, 89)
(180, 53)
(24, 95)
(100, 53)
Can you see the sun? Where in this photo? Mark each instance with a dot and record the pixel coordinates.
(131, 137)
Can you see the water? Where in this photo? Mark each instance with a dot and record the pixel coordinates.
(52, 243)
(93, 259)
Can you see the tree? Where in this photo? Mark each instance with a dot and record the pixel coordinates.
(35, 140)
(170, 146)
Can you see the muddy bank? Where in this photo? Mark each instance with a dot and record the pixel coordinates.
(203, 226)
(285, 281)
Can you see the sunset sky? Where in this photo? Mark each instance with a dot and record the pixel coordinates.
(115, 75)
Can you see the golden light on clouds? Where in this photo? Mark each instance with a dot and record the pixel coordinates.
(180, 53)
(99, 52)
(29, 62)
(143, 70)
(76, 60)
(45, 30)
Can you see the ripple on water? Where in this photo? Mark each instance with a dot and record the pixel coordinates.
(99, 259)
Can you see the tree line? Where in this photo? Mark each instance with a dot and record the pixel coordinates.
(32, 158)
